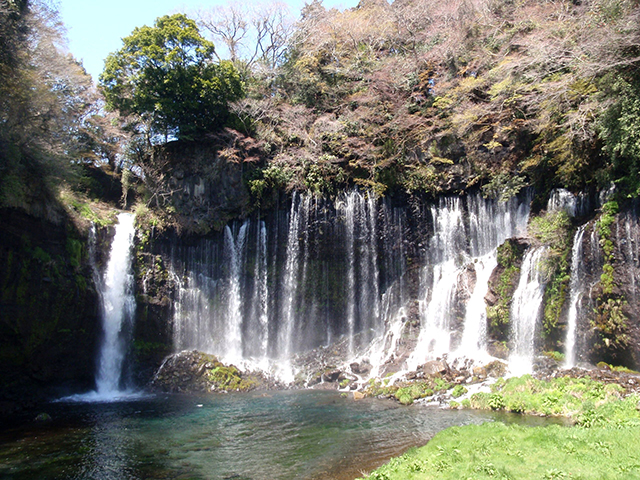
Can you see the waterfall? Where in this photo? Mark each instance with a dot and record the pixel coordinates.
(266, 288)
(350, 212)
(465, 237)
(474, 337)
(525, 311)
(351, 272)
(363, 302)
(118, 305)
(446, 245)
(260, 303)
(629, 239)
(290, 285)
(575, 205)
(577, 288)
(234, 250)
(491, 223)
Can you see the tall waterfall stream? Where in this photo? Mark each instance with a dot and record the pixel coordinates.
(117, 309)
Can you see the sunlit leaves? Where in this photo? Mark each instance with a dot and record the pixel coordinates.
(166, 75)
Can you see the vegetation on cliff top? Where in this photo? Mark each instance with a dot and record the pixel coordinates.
(410, 96)
(444, 96)
(430, 97)
(165, 81)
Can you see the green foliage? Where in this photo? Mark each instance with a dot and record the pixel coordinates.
(166, 75)
(565, 396)
(609, 320)
(228, 378)
(407, 395)
(421, 179)
(557, 356)
(498, 315)
(496, 450)
(269, 182)
(620, 130)
(503, 186)
(458, 391)
(407, 392)
(323, 176)
(553, 230)
(611, 325)
(47, 103)
(74, 250)
(607, 218)
(603, 445)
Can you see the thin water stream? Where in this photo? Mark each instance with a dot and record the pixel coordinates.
(302, 435)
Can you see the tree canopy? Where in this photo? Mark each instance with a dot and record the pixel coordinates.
(49, 108)
(165, 76)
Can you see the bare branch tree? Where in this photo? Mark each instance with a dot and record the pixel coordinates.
(274, 27)
(257, 35)
(229, 24)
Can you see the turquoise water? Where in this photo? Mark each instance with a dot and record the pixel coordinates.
(275, 435)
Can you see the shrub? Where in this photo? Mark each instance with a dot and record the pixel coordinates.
(458, 391)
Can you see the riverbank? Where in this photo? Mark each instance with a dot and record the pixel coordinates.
(603, 442)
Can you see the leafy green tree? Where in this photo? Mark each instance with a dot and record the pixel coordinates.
(165, 75)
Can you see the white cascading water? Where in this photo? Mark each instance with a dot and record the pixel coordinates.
(234, 250)
(392, 306)
(260, 302)
(456, 245)
(474, 336)
(359, 212)
(446, 245)
(525, 311)
(629, 238)
(576, 288)
(290, 286)
(575, 205)
(265, 289)
(118, 305)
(350, 220)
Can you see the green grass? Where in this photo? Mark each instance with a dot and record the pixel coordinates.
(604, 444)
(499, 451)
(564, 396)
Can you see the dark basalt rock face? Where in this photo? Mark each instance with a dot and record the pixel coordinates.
(203, 180)
(49, 310)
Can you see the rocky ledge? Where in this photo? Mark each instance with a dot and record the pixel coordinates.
(435, 382)
(193, 371)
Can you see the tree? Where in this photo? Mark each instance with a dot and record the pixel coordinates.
(48, 107)
(255, 34)
(166, 75)
(228, 24)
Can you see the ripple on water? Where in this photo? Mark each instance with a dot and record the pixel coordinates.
(277, 435)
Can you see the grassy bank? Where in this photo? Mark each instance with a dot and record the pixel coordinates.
(603, 444)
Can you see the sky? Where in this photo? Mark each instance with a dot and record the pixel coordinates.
(95, 28)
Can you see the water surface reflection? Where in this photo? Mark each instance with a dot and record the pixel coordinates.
(277, 435)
